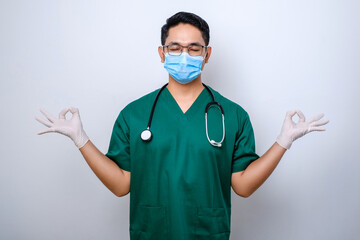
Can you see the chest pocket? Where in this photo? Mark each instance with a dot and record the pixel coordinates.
(150, 223)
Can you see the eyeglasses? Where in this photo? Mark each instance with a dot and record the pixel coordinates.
(175, 49)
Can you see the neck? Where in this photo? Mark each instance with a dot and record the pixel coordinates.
(188, 90)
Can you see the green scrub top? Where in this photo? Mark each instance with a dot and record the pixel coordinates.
(180, 184)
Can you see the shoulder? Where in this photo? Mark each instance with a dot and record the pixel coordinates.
(229, 105)
(140, 106)
(236, 116)
(144, 100)
(141, 102)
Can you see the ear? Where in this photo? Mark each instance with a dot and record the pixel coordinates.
(161, 54)
(208, 53)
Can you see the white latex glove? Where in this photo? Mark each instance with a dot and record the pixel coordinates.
(291, 131)
(71, 128)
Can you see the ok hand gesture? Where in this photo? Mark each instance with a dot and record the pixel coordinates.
(71, 128)
(291, 131)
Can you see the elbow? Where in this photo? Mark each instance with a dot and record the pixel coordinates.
(244, 195)
(240, 185)
(121, 194)
(248, 192)
(124, 188)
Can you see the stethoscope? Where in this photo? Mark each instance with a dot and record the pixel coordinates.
(146, 135)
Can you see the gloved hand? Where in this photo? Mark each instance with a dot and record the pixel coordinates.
(71, 128)
(291, 131)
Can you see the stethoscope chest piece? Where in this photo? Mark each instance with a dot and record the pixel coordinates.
(146, 135)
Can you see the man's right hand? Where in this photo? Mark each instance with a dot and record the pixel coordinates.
(71, 128)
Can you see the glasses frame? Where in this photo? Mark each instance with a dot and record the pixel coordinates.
(182, 48)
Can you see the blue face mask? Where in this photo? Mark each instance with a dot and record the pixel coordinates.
(183, 68)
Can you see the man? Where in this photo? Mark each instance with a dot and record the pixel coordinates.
(182, 167)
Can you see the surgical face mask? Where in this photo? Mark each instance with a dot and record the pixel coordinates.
(183, 68)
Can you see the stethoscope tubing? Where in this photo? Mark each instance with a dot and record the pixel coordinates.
(154, 104)
(146, 135)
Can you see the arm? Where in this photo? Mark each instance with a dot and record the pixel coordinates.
(246, 182)
(114, 178)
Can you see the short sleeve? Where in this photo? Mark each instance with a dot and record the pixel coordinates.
(119, 148)
(244, 149)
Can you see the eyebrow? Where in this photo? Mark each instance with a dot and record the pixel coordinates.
(193, 43)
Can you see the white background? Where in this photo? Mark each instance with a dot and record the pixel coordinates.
(268, 56)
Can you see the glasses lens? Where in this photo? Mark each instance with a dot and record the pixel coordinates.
(174, 49)
(195, 50)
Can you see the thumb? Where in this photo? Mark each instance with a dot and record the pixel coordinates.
(63, 113)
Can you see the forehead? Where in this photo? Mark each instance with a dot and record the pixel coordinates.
(184, 33)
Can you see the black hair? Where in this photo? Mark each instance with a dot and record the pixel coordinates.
(186, 17)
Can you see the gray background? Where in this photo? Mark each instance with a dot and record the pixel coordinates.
(268, 56)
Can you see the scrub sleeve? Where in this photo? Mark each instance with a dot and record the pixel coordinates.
(244, 149)
(119, 148)
(180, 183)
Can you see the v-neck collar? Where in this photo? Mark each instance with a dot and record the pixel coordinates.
(192, 109)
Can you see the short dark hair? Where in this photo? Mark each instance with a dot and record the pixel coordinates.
(186, 17)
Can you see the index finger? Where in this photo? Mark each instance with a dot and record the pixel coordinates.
(63, 113)
(301, 116)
